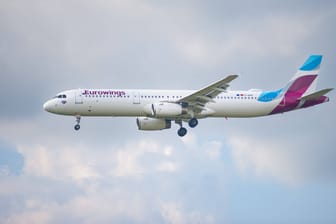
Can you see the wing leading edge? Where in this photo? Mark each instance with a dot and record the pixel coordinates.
(197, 100)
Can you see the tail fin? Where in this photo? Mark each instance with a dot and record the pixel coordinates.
(305, 80)
(301, 84)
(301, 89)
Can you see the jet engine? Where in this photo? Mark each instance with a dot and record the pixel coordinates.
(150, 124)
(164, 109)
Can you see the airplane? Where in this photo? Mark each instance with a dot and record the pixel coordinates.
(157, 109)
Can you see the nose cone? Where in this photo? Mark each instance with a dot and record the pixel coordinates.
(47, 106)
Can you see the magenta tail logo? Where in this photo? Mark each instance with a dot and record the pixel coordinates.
(293, 94)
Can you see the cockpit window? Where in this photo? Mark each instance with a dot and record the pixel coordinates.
(60, 96)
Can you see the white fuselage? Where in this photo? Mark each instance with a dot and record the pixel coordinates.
(106, 102)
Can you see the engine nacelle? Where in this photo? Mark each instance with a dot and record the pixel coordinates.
(164, 109)
(150, 124)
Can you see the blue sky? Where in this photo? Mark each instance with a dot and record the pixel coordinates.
(277, 169)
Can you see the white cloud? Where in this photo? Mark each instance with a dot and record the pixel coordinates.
(213, 149)
(80, 162)
(128, 158)
(173, 212)
(126, 180)
(38, 217)
(190, 141)
(266, 158)
(59, 163)
(167, 166)
(210, 149)
(275, 35)
(112, 183)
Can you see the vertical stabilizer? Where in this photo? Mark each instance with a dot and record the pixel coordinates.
(305, 79)
(302, 84)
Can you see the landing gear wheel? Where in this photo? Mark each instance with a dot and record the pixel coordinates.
(77, 127)
(182, 132)
(193, 122)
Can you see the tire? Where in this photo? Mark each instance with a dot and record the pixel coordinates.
(182, 132)
(77, 127)
(193, 122)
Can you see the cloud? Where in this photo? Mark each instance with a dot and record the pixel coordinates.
(292, 149)
(173, 213)
(135, 182)
(111, 172)
(265, 158)
(59, 163)
(37, 217)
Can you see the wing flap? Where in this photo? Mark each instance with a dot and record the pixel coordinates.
(222, 89)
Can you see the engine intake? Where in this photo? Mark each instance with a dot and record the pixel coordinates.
(150, 124)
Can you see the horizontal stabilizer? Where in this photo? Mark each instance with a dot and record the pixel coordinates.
(317, 94)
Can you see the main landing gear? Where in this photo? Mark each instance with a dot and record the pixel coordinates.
(193, 122)
(182, 132)
(77, 126)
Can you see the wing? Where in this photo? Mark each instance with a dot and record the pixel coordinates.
(197, 100)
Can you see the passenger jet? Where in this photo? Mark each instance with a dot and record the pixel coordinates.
(157, 109)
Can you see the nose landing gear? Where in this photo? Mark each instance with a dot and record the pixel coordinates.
(77, 126)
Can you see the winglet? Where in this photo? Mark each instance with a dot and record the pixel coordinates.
(312, 63)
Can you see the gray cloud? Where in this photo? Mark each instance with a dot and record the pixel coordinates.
(110, 171)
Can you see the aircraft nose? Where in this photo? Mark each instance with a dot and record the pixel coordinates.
(47, 106)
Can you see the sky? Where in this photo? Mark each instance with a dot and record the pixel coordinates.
(276, 169)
